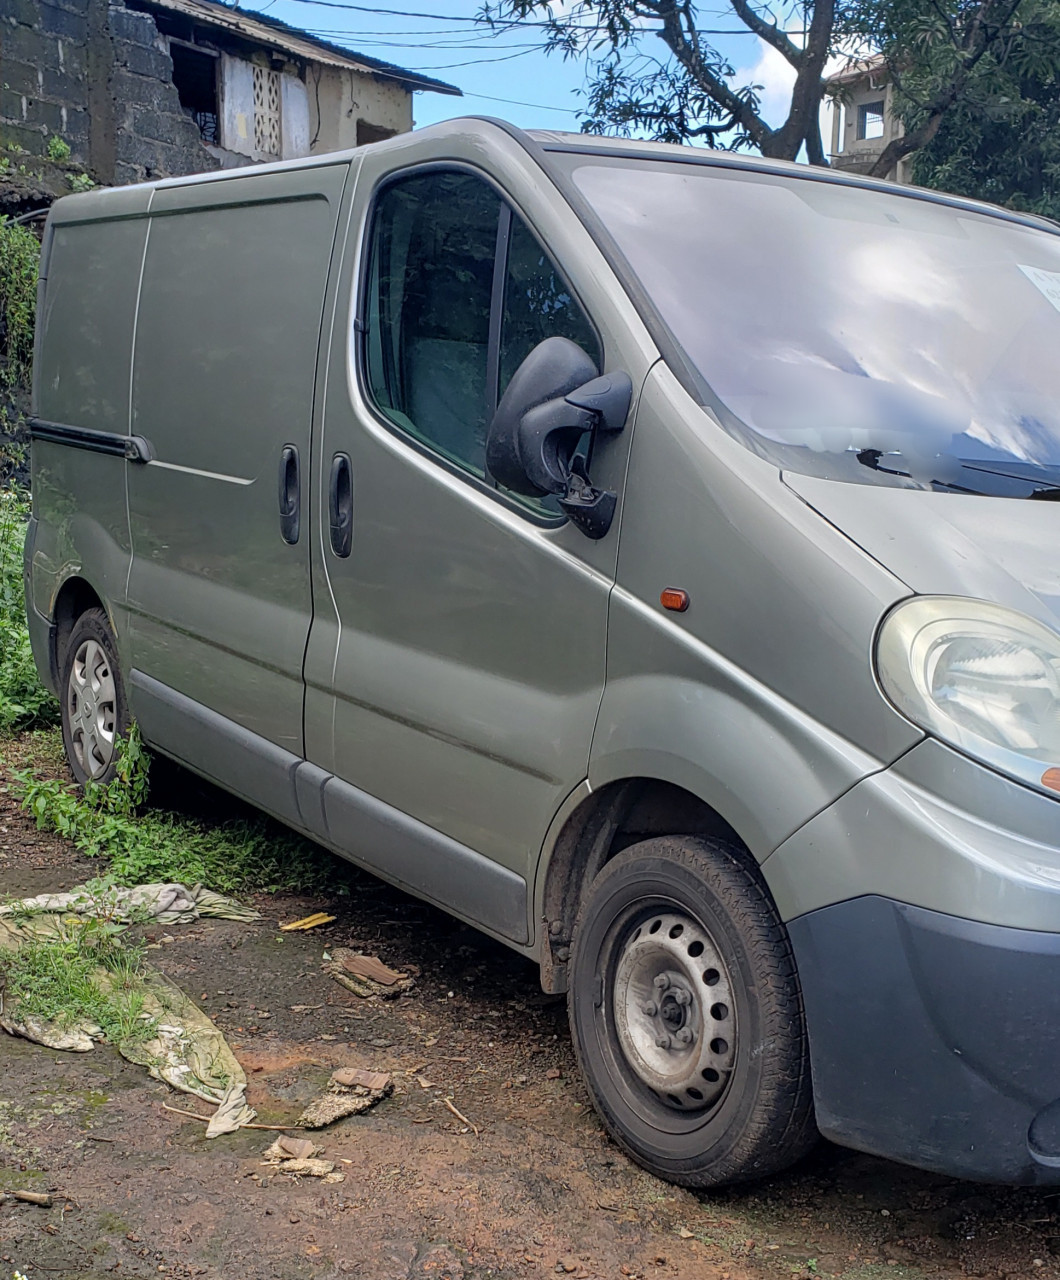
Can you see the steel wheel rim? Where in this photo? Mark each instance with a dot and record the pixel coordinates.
(91, 703)
(674, 1013)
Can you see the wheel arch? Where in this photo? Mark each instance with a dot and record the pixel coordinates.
(74, 597)
(599, 826)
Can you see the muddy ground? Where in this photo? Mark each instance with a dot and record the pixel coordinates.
(537, 1190)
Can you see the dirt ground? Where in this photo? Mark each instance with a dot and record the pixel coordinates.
(537, 1190)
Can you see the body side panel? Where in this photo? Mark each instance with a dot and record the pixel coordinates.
(85, 326)
(224, 379)
(760, 698)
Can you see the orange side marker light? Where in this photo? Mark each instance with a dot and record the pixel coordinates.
(1051, 779)
(676, 600)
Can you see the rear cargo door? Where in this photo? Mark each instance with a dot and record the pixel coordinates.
(224, 369)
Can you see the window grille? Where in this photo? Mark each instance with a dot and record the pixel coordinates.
(870, 120)
(267, 111)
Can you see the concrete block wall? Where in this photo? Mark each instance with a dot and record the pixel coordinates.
(99, 76)
(42, 73)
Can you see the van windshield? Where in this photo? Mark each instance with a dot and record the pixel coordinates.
(848, 332)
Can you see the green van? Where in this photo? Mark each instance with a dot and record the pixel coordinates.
(646, 554)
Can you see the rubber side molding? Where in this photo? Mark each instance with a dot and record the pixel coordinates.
(132, 448)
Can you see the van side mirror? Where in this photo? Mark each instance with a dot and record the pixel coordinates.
(555, 397)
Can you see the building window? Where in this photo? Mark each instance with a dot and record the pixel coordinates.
(195, 80)
(870, 121)
(367, 133)
(267, 133)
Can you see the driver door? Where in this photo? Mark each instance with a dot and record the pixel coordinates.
(456, 661)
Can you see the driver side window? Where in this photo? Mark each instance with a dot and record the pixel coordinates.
(436, 359)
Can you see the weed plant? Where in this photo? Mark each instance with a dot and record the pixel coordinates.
(145, 845)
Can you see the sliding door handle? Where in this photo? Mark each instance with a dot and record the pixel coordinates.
(290, 495)
(340, 505)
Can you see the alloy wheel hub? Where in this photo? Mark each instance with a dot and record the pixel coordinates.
(92, 708)
(674, 1011)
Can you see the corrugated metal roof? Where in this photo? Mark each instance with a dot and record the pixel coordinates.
(278, 35)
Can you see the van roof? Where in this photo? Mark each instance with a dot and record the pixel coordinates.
(556, 140)
(542, 142)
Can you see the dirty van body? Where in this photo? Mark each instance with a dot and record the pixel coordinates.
(645, 554)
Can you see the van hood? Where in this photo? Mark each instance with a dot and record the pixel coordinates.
(1000, 549)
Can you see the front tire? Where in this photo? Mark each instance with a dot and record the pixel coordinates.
(95, 712)
(687, 1017)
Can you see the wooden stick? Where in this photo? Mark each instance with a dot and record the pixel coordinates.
(30, 1197)
(278, 1128)
(460, 1116)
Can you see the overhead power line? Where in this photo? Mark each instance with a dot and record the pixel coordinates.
(501, 25)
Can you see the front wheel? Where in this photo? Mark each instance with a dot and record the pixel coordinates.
(94, 711)
(687, 1016)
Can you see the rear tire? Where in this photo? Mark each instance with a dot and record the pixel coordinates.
(686, 1014)
(95, 712)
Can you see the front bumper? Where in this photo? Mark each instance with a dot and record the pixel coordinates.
(934, 1040)
(924, 911)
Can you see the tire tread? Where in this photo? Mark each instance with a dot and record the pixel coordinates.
(783, 1128)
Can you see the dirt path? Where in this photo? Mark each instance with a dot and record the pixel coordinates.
(538, 1191)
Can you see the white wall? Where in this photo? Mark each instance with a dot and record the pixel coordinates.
(316, 115)
(294, 117)
(339, 98)
(237, 105)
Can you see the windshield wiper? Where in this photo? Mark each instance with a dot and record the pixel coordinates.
(1021, 472)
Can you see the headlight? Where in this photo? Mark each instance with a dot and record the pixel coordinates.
(983, 678)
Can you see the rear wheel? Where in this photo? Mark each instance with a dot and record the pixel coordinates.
(94, 710)
(687, 1016)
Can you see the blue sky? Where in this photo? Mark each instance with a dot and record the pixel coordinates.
(509, 75)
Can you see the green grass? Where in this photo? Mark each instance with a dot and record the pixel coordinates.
(142, 845)
(85, 972)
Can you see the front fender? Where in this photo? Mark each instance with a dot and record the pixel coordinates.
(698, 721)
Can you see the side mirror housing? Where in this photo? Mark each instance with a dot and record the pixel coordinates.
(555, 397)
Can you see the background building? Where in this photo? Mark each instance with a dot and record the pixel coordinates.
(863, 119)
(153, 88)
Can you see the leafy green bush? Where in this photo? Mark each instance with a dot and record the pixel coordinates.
(24, 702)
(19, 261)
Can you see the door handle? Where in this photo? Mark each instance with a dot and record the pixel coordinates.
(340, 505)
(290, 495)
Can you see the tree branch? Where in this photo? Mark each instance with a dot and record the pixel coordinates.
(768, 31)
(803, 122)
(738, 108)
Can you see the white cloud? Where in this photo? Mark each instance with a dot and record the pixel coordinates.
(776, 76)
